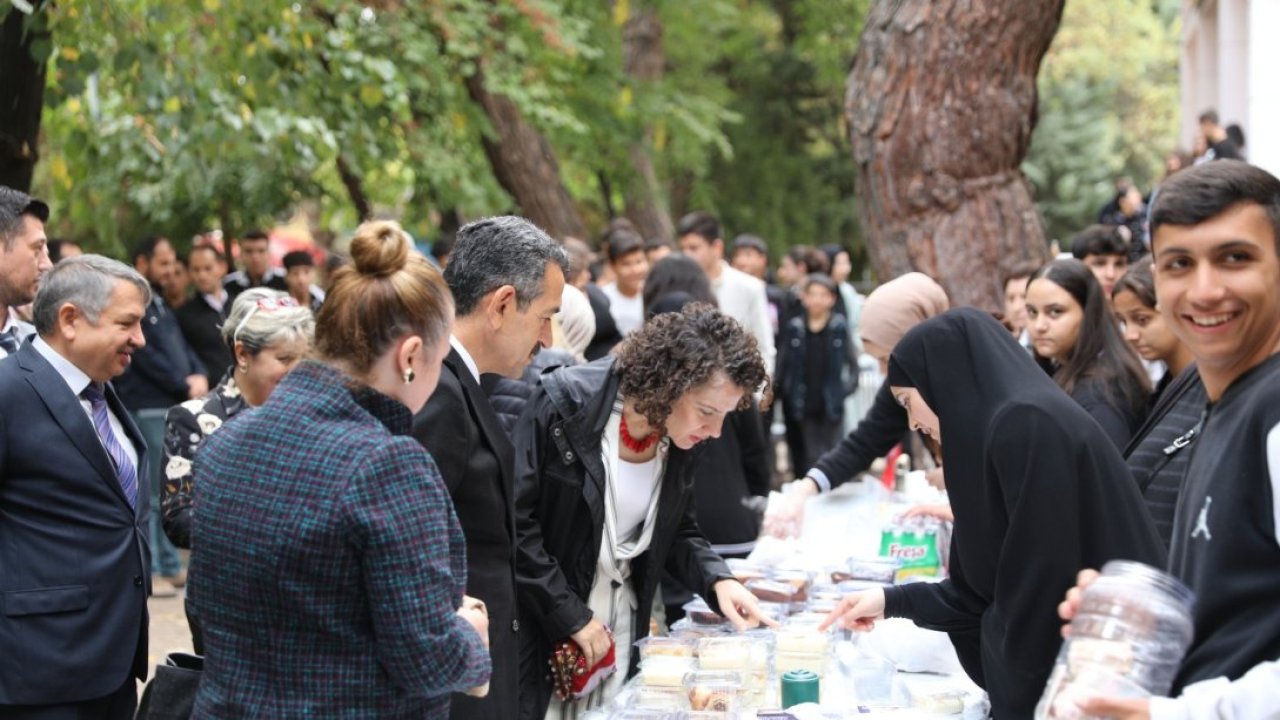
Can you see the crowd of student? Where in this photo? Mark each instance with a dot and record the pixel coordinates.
(406, 493)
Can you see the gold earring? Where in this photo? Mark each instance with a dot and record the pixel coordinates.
(408, 375)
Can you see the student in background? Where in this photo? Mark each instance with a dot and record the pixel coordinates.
(817, 370)
(1077, 342)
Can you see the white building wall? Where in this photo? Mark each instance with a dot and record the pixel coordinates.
(1230, 61)
(1262, 115)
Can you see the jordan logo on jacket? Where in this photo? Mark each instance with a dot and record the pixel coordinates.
(1202, 522)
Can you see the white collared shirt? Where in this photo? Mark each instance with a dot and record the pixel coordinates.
(77, 381)
(469, 361)
(22, 330)
(217, 302)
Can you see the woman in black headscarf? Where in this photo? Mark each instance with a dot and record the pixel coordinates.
(1038, 492)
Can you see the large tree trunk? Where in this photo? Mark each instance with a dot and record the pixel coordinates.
(21, 100)
(941, 103)
(525, 166)
(643, 62)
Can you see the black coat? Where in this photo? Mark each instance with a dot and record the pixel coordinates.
(202, 327)
(560, 495)
(156, 379)
(1038, 492)
(461, 431)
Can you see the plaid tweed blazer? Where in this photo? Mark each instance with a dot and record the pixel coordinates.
(327, 563)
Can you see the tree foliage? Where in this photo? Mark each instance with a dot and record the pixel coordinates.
(178, 116)
(1108, 108)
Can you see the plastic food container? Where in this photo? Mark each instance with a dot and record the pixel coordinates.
(800, 580)
(874, 569)
(665, 671)
(733, 652)
(673, 646)
(746, 570)
(772, 591)
(700, 613)
(657, 697)
(775, 611)
(715, 690)
(686, 629)
(803, 638)
(785, 662)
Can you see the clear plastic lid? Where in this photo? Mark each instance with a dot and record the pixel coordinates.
(659, 645)
(733, 652)
(715, 690)
(772, 590)
(874, 569)
(654, 697)
(700, 613)
(665, 670)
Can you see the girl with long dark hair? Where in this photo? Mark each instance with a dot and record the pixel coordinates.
(1077, 342)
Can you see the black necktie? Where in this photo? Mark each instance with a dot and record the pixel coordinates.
(9, 340)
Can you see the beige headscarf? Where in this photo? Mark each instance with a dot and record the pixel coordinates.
(899, 305)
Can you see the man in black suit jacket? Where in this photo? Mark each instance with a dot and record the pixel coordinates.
(201, 317)
(74, 559)
(506, 276)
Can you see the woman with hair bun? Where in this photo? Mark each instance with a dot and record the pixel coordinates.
(327, 564)
(605, 458)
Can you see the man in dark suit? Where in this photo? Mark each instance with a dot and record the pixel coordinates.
(506, 276)
(201, 317)
(24, 257)
(74, 561)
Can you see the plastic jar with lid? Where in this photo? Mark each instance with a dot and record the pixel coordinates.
(1127, 639)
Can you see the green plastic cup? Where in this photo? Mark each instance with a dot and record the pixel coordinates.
(799, 686)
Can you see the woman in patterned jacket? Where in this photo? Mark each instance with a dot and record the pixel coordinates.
(327, 565)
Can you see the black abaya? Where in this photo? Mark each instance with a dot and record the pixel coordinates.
(1038, 489)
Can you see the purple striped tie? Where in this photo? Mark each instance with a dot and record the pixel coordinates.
(125, 471)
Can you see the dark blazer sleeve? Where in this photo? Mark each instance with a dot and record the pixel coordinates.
(749, 428)
(543, 589)
(177, 489)
(877, 433)
(691, 558)
(195, 365)
(444, 428)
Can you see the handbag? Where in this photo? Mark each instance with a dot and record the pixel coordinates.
(570, 676)
(171, 693)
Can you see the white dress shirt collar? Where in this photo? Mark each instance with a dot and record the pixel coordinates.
(466, 357)
(74, 376)
(217, 302)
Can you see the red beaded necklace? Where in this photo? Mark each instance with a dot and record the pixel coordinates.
(639, 446)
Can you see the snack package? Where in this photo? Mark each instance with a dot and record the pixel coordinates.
(914, 542)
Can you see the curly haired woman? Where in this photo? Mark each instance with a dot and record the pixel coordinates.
(605, 457)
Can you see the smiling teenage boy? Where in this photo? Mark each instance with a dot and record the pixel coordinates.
(1216, 230)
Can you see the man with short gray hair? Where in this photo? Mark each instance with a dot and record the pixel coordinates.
(507, 277)
(74, 564)
(24, 257)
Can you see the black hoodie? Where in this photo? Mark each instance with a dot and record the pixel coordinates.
(1038, 491)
